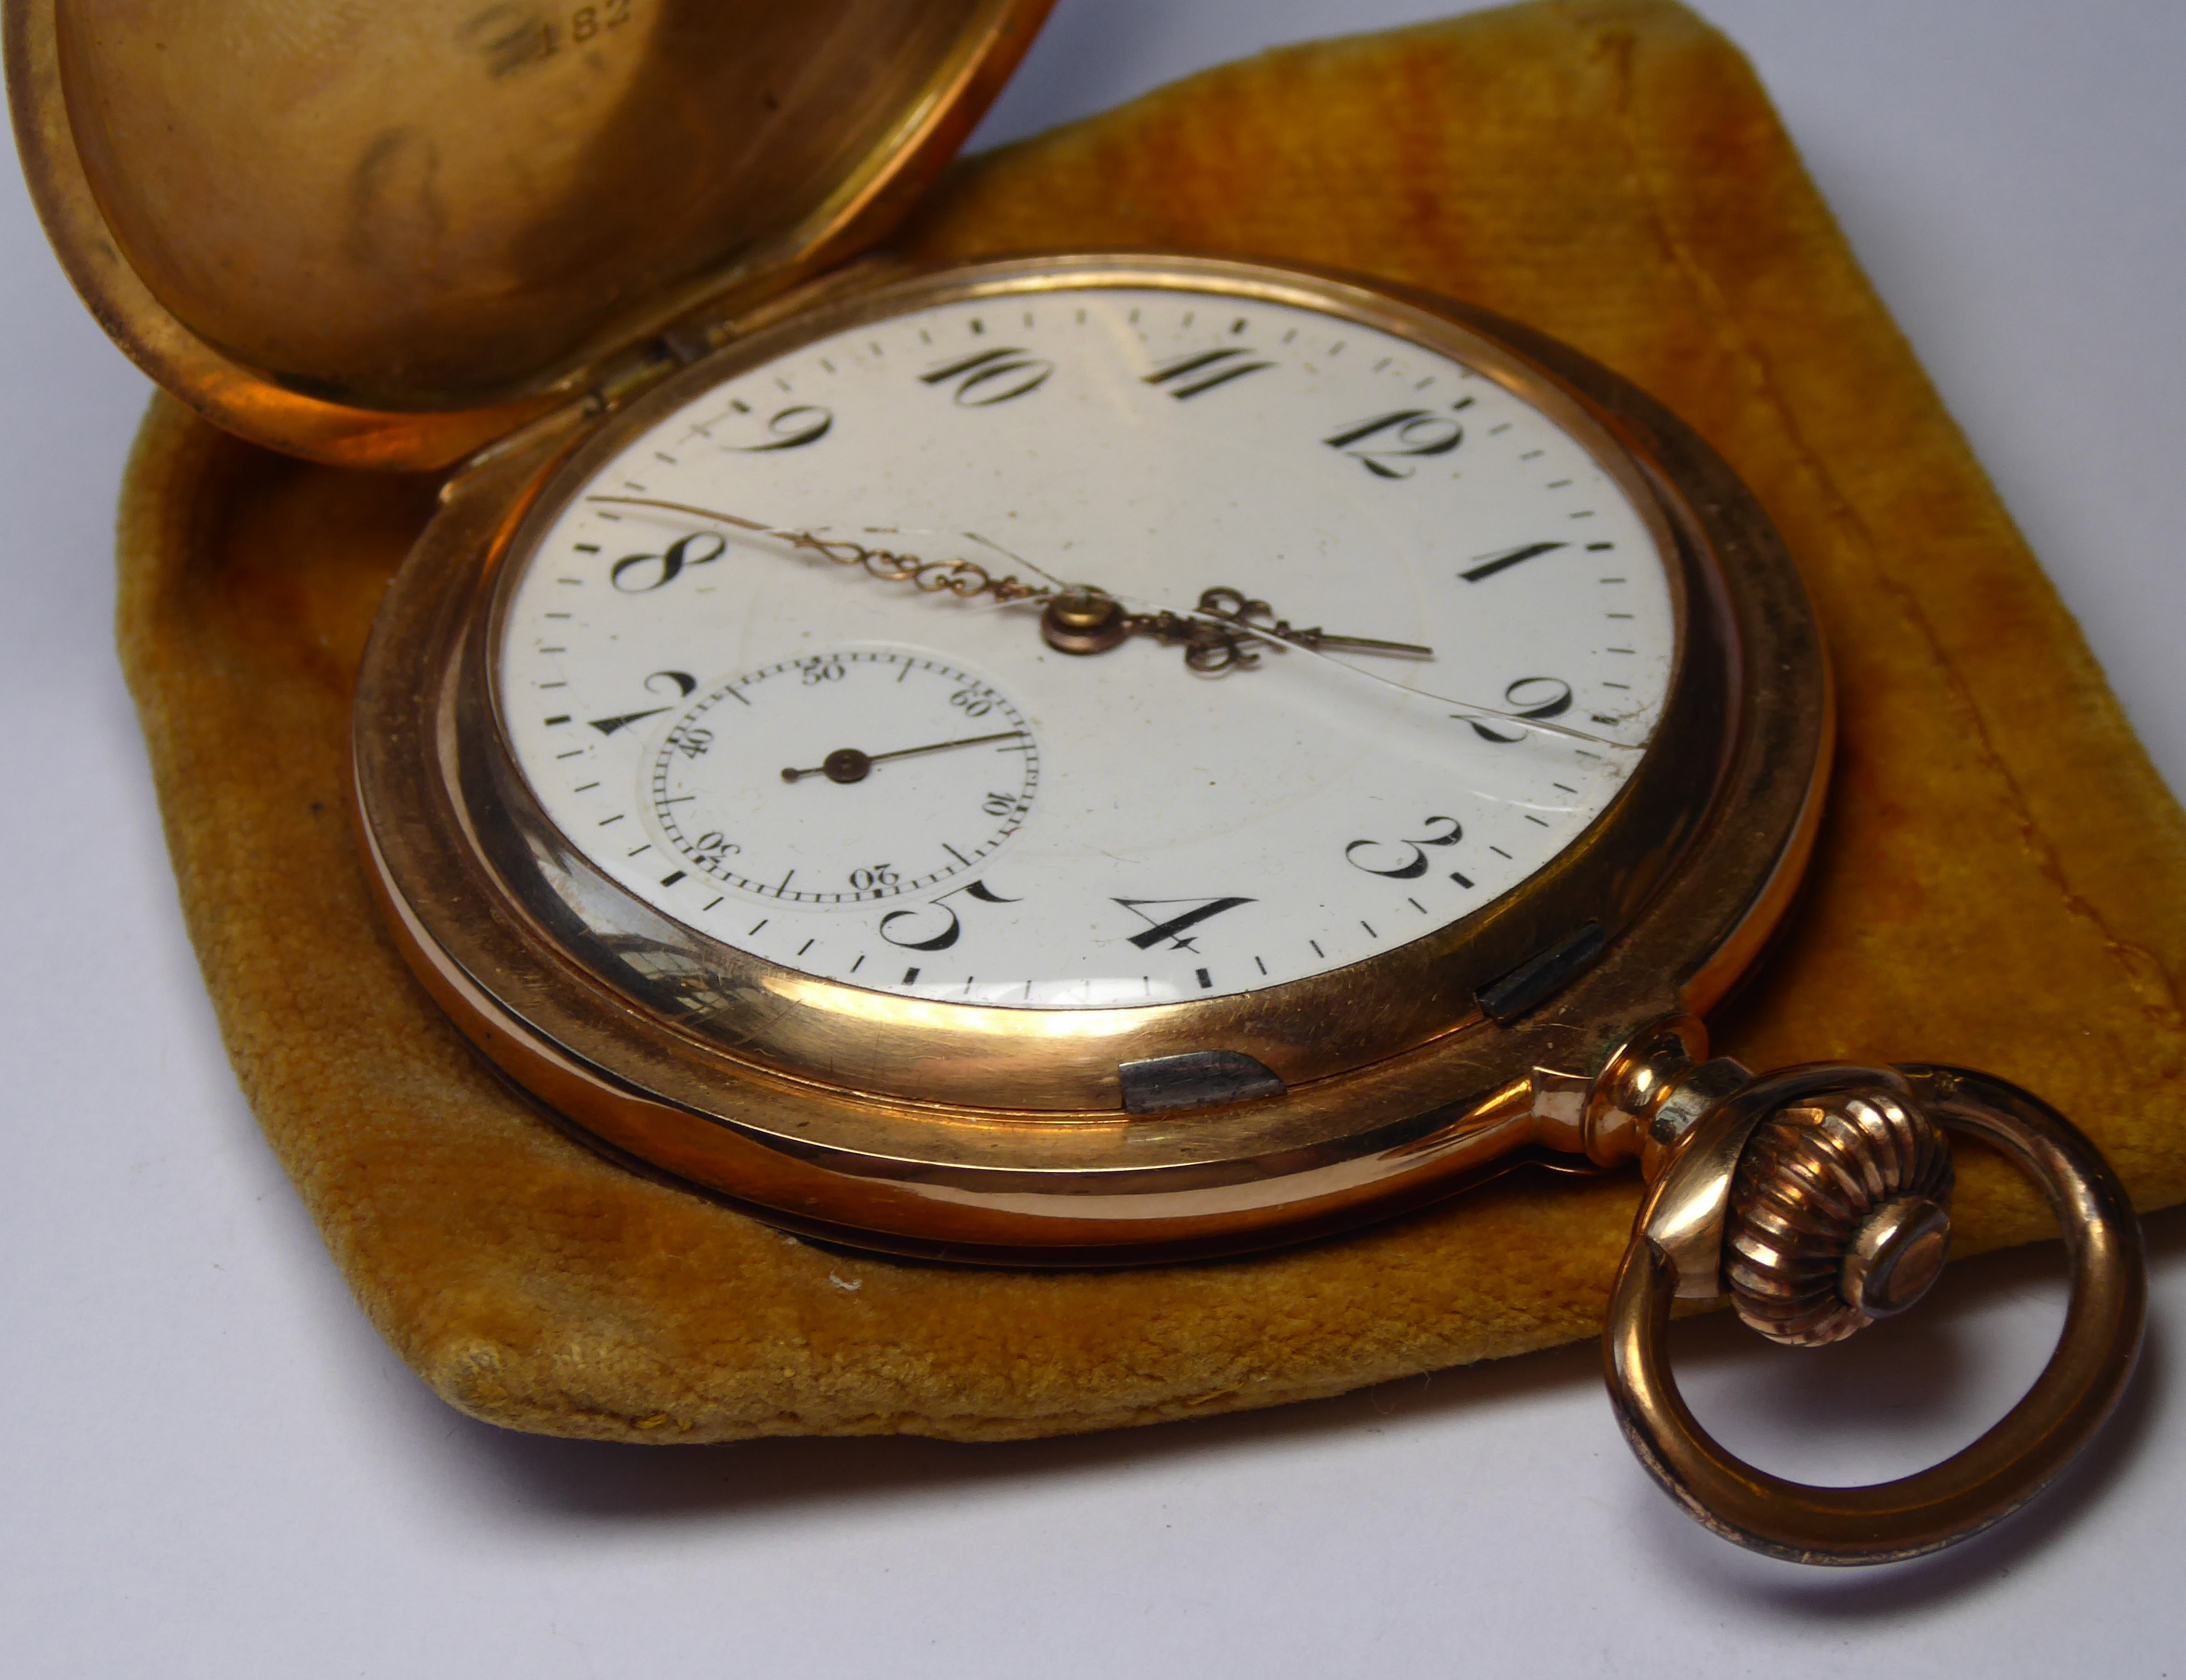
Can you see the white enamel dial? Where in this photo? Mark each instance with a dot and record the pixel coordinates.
(1029, 829)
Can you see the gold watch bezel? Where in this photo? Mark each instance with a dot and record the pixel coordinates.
(1686, 871)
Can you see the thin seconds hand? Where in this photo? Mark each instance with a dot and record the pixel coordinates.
(985, 542)
(1465, 706)
(1314, 654)
(847, 763)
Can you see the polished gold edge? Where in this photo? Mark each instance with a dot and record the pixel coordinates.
(1134, 1218)
(999, 1185)
(899, 172)
(1772, 900)
(1066, 1061)
(1788, 752)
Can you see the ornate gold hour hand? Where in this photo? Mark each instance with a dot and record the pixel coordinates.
(1086, 620)
(1236, 607)
(1215, 637)
(1081, 619)
(1078, 618)
(847, 763)
(964, 579)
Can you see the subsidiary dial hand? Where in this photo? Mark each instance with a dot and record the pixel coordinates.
(847, 763)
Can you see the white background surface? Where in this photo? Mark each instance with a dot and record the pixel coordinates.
(209, 1466)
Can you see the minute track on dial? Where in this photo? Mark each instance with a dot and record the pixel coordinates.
(1213, 636)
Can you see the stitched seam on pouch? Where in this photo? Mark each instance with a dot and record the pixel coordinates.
(2135, 963)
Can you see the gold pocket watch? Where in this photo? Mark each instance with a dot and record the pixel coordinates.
(1076, 760)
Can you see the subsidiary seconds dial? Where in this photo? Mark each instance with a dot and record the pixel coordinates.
(839, 778)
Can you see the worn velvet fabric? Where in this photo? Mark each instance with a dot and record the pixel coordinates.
(2001, 881)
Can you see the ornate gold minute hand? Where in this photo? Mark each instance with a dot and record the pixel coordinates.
(847, 763)
(1235, 607)
(1209, 645)
(1086, 620)
(1080, 619)
(964, 579)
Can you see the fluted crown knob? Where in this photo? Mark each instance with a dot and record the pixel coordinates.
(1839, 1215)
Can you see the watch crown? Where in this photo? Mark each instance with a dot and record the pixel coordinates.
(1839, 1216)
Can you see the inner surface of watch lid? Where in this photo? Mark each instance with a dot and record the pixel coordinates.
(439, 205)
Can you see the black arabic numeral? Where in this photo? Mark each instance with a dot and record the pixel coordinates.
(1542, 697)
(1411, 870)
(684, 551)
(1386, 444)
(998, 804)
(713, 846)
(880, 875)
(976, 702)
(682, 681)
(691, 743)
(1195, 373)
(910, 941)
(1173, 928)
(949, 935)
(819, 669)
(991, 376)
(1417, 865)
(793, 427)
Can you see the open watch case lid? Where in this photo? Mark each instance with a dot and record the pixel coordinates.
(383, 235)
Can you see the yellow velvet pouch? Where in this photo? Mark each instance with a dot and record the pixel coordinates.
(2001, 881)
